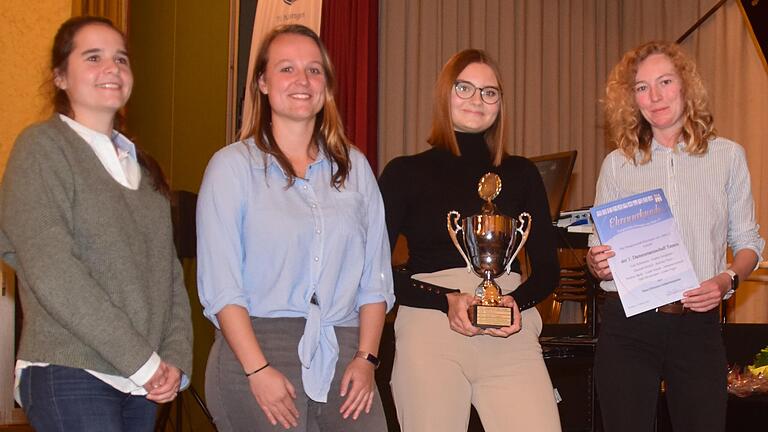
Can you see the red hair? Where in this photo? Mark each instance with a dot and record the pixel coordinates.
(442, 134)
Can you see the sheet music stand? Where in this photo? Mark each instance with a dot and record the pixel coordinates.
(555, 170)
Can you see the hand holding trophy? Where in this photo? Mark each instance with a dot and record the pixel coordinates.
(489, 240)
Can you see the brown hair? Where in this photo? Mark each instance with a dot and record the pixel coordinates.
(442, 134)
(628, 130)
(63, 44)
(329, 131)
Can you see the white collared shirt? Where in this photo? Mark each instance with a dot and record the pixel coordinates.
(122, 165)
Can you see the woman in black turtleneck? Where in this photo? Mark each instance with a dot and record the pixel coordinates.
(443, 363)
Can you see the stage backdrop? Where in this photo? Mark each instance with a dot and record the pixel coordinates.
(756, 15)
(349, 31)
(270, 14)
(554, 57)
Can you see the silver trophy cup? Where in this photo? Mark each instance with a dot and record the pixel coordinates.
(488, 247)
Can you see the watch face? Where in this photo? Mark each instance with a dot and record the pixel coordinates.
(369, 357)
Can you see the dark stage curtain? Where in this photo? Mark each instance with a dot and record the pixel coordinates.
(350, 31)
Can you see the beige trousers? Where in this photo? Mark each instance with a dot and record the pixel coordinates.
(438, 373)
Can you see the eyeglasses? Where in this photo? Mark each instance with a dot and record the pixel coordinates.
(466, 90)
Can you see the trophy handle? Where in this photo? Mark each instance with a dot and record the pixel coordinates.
(453, 229)
(523, 237)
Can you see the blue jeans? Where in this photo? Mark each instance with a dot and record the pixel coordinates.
(58, 398)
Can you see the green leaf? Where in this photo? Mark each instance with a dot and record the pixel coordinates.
(761, 359)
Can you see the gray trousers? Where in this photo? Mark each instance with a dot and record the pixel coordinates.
(233, 406)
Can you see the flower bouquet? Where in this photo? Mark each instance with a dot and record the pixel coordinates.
(752, 380)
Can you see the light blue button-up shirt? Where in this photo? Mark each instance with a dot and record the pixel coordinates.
(270, 248)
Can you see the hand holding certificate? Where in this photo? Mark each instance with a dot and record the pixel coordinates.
(651, 266)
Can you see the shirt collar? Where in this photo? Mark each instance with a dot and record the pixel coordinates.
(124, 146)
(657, 147)
(259, 160)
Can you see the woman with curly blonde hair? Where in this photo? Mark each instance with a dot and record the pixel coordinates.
(629, 130)
(657, 115)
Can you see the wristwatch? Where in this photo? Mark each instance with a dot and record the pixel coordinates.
(370, 357)
(734, 283)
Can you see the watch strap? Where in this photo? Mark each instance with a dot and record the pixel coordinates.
(734, 283)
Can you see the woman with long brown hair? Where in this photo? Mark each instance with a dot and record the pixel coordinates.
(106, 333)
(444, 364)
(293, 259)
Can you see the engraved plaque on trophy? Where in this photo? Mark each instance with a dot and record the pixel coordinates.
(488, 247)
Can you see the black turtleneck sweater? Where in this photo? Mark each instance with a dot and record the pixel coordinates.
(420, 190)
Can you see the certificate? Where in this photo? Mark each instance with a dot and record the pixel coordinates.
(651, 267)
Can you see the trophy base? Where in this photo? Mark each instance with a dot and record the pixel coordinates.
(490, 316)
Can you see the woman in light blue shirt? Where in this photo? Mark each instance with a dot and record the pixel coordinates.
(293, 258)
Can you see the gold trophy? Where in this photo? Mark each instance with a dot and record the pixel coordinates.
(489, 240)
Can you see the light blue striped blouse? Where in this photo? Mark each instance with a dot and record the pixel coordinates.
(710, 196)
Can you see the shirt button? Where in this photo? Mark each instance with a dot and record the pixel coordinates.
(317, 231)
(313, 205)
(305, 187)
(317, 259)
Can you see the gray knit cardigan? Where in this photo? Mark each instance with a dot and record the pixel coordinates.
(101, 287)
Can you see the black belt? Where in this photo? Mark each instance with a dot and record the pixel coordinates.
(426, 286)
(403, 280)
(675, 308)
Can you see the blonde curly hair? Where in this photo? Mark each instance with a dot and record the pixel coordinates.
(628, 130)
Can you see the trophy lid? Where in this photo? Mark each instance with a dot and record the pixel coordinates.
(488, 188)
